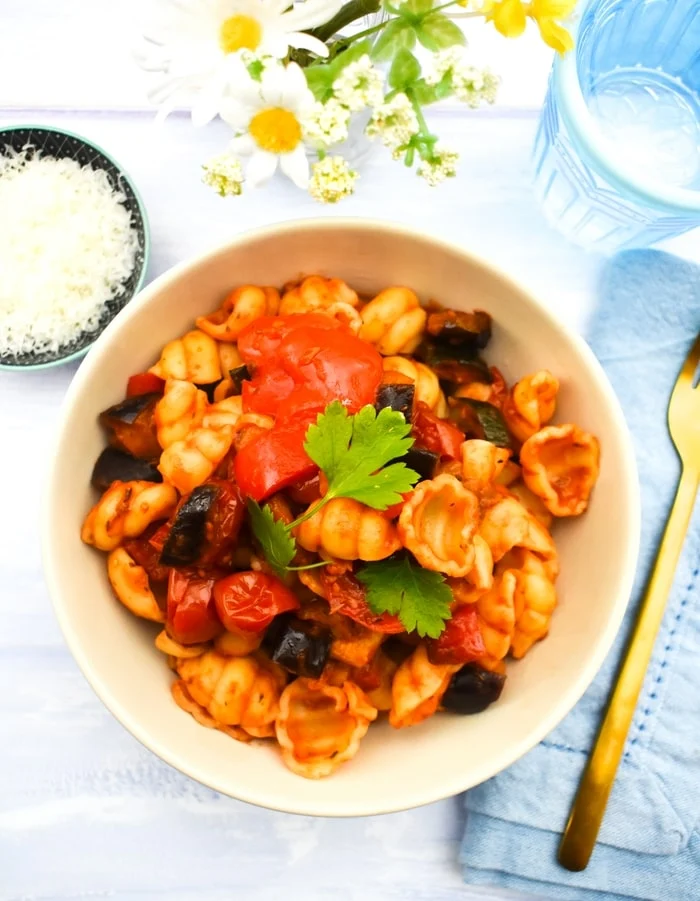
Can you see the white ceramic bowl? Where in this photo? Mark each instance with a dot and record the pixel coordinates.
(395, 769)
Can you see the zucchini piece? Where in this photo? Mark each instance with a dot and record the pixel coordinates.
(479, 419)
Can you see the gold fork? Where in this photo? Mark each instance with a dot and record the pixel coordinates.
(589, 805)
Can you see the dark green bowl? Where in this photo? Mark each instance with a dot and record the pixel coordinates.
(62, 144)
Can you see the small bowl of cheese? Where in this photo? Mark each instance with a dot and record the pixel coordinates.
(74, 245)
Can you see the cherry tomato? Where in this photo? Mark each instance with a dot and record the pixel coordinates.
(435, 434)
(273, 460)
(144, 383)
(461, 641)
(224, 521)
(191, 612)
(259, 341)
(143, 552)
(249, 601)
(346, 595)
(305, 491)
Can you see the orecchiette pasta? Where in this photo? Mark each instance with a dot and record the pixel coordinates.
(349, 530)
(496, 616)
(438, 523)
(531, 404)
(237, 644)
(320, 726)
(242, 306)
(172, 648)
(482, 463)
(426, 383)
(317, 293)
(130, 584)
(190, 462)
(223, 415)
(561, 464)
(192, 358)
(248, 427)
(126, 510)
(533, 504)
(235, 691)
(418, 688)
(534, 601)
(381, 670)
(481, 573)
(394, 321)
(507, 524)
(494, 392)
(179, 411)
(186, 702)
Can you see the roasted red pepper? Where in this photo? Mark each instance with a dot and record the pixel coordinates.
(435, 434)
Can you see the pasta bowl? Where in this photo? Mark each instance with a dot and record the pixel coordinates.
(396, 769)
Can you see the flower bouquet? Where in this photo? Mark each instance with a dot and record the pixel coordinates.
(291, 79)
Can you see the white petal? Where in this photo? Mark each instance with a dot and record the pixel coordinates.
(296, 166)
(274, 43)
(236, 114)
(309, 14)
(273, 85)
(303, 41)
(261, 167)
(296, 90)
(243, 144)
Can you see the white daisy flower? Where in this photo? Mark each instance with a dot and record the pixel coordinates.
(224, 173)
(196, 40)
(441, 166)
(394, 122)
(360, 84)
(267, 116)
(332, 179)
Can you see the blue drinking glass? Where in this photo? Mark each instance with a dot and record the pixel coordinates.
(617, 153)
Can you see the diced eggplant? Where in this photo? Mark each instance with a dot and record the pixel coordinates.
(131, 426)
(479, 419)
(396, 397)
(300, 647)
(422, 461)
(472, 689)
(209, 389)
(115, 465)
(471, 330)
(188, 532)
(453, 363)
(238, 375)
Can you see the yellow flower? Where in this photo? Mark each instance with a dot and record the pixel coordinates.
(508, 17)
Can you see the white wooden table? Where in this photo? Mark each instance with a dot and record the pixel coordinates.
(85, 811)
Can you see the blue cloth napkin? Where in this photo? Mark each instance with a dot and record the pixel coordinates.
(649, 844)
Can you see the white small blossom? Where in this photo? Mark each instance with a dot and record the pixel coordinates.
(225, 174)
(360, 84)
(393, 122)
(326, 124)
(331, 180)
(470, 84)
(441, 166)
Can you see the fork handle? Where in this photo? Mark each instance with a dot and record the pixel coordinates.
(589, 805)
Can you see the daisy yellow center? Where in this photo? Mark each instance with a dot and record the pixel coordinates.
(275, 130)
(240, 33)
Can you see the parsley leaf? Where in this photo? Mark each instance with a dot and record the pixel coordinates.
(277, 544)
(419, 597)
(353, 453)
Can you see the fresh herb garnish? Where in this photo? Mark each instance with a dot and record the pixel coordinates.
(420, 598)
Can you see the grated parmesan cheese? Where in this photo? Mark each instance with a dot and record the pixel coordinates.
(67, 246)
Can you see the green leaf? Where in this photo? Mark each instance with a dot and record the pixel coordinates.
(320, 81)
(420, 598)
(437, 32)
(255, 69)
(277, 544)
(405, 70)
(397, 35)
(424, 93)
(353, 453)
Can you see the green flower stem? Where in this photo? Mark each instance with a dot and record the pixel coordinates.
(349, 13)
(424, 140)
